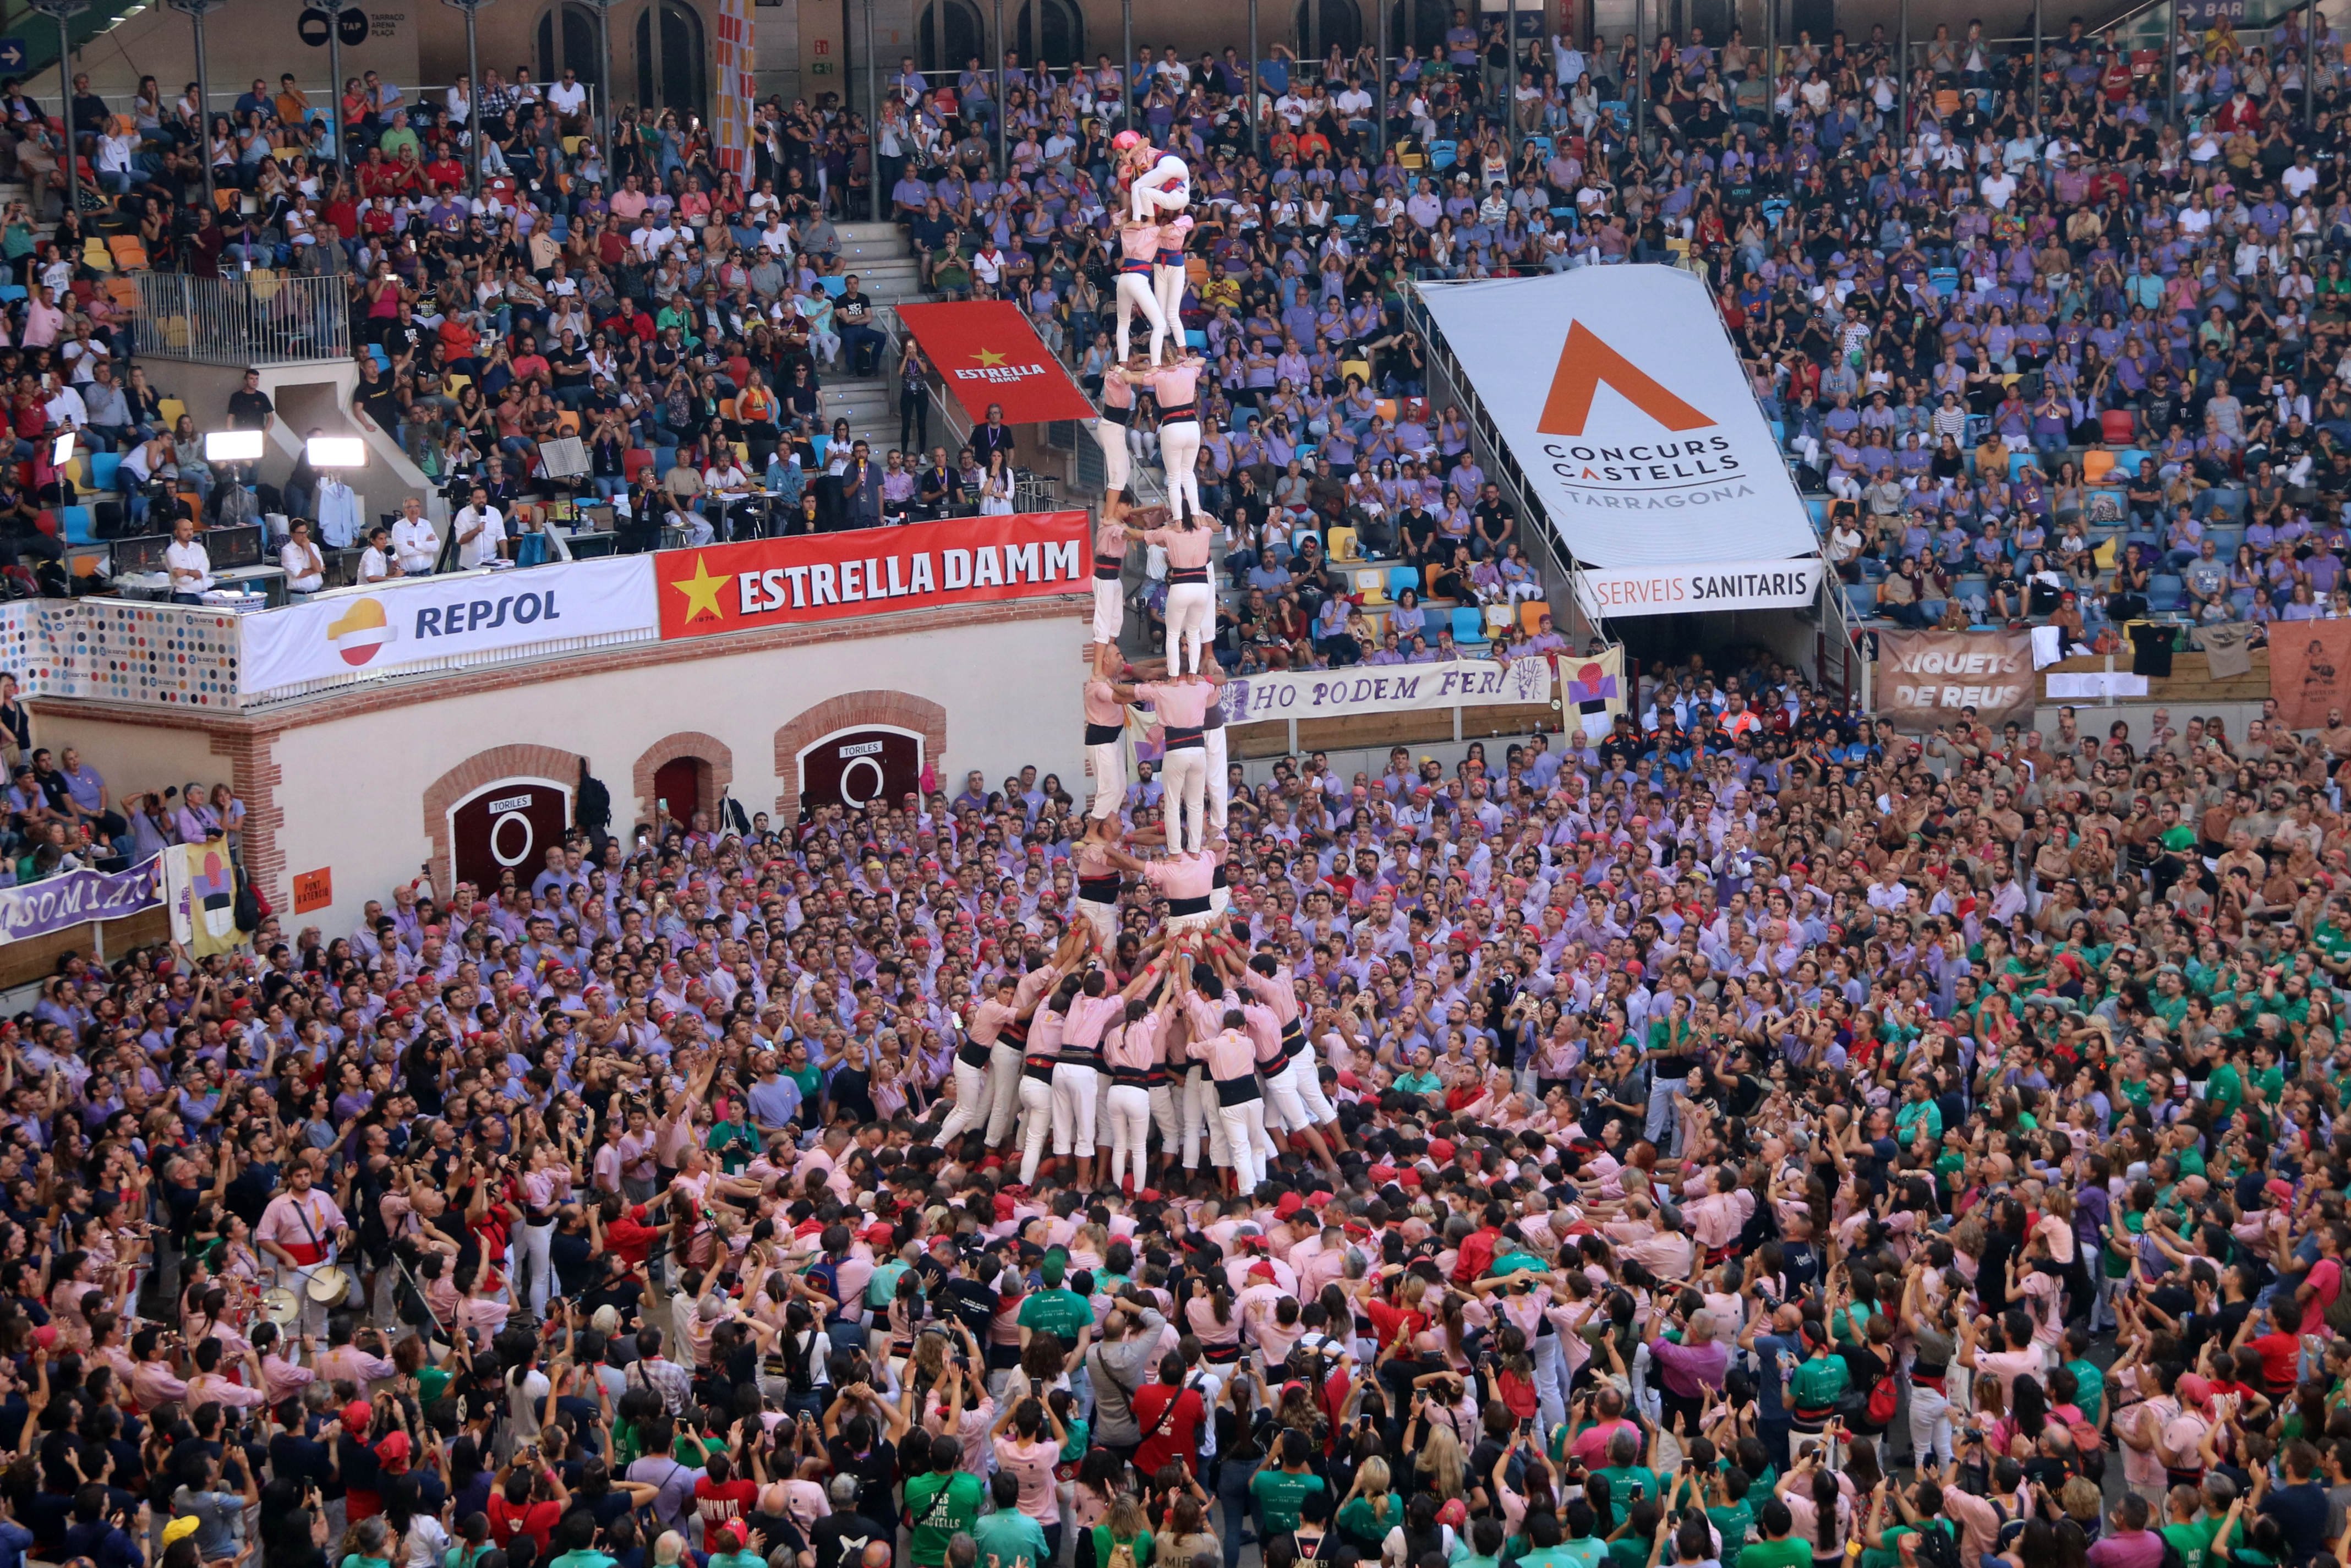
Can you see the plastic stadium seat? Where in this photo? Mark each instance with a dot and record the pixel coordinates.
(170, 408)
(2116, 426)
(1468, 626)
(1371, 585)
(2166, 592)
(1530, 614)
(635, 461)
(77, 521)
(1498, 618)
(1860, 601)
(103, 467)
(1401, 578)
(2097, 464)
(1342, 544)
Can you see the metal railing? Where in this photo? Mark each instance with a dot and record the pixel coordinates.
(262, 318)
(1543, 545)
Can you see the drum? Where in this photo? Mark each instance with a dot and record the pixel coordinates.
(328, 1285)
(282, 1307)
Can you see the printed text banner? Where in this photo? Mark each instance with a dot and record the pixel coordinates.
(412, 620)
(77, 898)
(1928, 679)
(1698, 590)
(986, 353)
(1387, 688)
(1620, 393)
(870, 571)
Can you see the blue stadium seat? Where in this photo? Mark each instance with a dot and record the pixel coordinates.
(1468, 626)
(2166, 592)
(1401, 578)
(1860, 600)
(102, 467)
(77, 521)
(1943, 280)
(1442, 154)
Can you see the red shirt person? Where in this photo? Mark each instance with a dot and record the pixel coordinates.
(1170, 1415)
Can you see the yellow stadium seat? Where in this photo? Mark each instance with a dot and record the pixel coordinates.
(1372, 584)
(170, 408)
(1341, 543)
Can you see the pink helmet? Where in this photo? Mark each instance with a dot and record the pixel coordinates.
(1127, 139)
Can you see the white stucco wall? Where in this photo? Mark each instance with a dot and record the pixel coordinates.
(354, 789)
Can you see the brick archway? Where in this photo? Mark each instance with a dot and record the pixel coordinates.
(718, 768)
(498, 762)
(848, 711)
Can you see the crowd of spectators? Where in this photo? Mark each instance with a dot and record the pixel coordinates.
(1759, 1137)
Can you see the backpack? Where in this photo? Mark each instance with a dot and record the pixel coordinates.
(1882, 1399)
(1936, 1549)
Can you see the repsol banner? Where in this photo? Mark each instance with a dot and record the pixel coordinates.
(1930, 678)
(1698, 590)
(385, 626)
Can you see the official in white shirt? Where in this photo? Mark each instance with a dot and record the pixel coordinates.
(305, 568)
(481, 531)
(414, 544)
(377, 563)
(190, 566)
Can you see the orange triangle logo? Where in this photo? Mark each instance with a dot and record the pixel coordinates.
(1585, 362)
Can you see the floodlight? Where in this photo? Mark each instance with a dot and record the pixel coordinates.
(336, 452)
(232, 446)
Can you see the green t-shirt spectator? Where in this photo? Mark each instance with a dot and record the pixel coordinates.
(1366, 1524)
(2089, 1389)
(1280, 1495)
(1420, 1084)
(1816, 1384)
(1009, 1538)
(2192, 1540)
(1735, 1520)
(1791, 1551)
(1627, 1482)
(1056, 1311)
(937, 1508)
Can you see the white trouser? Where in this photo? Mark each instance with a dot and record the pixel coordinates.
(1117, 466)
(1200, 1111)
(1179, 453)
(1135, 294)
(1035, 1125)
(1191, 622)
(1110, 610)
(1164, 187)
(1220, 779)
(1130, 1130)
(1110, 778)
(1930, 1423)
(1186, 778)
(1244, 1124)
(1167, 287)
(1169, 1118)
(1074, 1094)
(1104, 919)
(971, 1102)
(1306, 1076)
(1003, 1091)
(1284, 1108)
(532, 1246)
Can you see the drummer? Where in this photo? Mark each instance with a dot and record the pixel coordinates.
(299, 1230)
